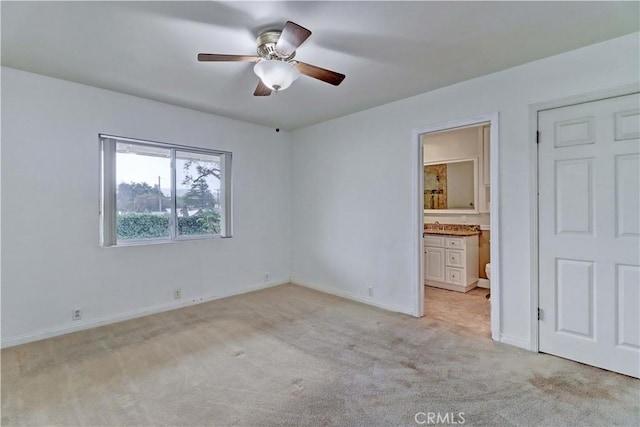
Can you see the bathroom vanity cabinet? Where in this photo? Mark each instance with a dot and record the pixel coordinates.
(451, 261)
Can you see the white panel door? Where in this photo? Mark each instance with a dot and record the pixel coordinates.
(589, 230)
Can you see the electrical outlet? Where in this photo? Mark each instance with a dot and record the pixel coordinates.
(463, 219)
(177, 294)
(266, 276)
(76, 314)
(370, 291)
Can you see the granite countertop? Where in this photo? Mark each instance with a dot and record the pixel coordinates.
(452, 229)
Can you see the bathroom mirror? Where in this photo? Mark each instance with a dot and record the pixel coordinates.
(451, 186)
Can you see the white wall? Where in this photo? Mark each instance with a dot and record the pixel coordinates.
(349, 228)
(51, 258)
(352, 198)
(455, 144)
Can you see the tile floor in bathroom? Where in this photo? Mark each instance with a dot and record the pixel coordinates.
(471, 311)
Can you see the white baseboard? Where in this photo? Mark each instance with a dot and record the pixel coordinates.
(451, 287)
(352, 296)
(516, 342)
(484, 283)
(106, 320)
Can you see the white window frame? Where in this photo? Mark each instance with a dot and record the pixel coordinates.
(108, 187)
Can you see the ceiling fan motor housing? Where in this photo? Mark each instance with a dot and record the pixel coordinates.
(266, 42)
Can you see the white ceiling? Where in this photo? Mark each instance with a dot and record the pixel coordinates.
(388, 50)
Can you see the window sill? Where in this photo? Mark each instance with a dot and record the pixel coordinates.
(127, 243)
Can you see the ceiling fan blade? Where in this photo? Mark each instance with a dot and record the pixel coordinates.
(292, 36)
(323, 74)
(218, 57)
(262, 89)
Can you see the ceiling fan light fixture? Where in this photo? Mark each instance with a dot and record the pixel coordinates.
(276, 75)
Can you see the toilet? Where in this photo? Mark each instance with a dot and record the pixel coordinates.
(487, 269)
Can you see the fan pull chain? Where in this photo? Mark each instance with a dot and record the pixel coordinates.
(277, 109)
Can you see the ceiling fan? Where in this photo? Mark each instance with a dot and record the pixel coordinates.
(274, 63)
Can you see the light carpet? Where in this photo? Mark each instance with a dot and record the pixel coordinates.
(290, 356)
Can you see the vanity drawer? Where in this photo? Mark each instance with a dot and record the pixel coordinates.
(454, 276)
(455, 258)
(437, 241)
(454, 243)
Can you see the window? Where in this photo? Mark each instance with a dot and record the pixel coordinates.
(155, 192)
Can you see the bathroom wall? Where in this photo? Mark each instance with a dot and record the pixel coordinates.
(454, 144)
(450, 145)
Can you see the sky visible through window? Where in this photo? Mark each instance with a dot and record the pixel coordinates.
(135, 168)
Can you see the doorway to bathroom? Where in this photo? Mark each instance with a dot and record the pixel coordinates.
(457, 185)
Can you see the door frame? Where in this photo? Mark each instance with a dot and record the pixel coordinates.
(534, 110)
(417, 177)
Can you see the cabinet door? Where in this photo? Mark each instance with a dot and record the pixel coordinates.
(434, 264)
